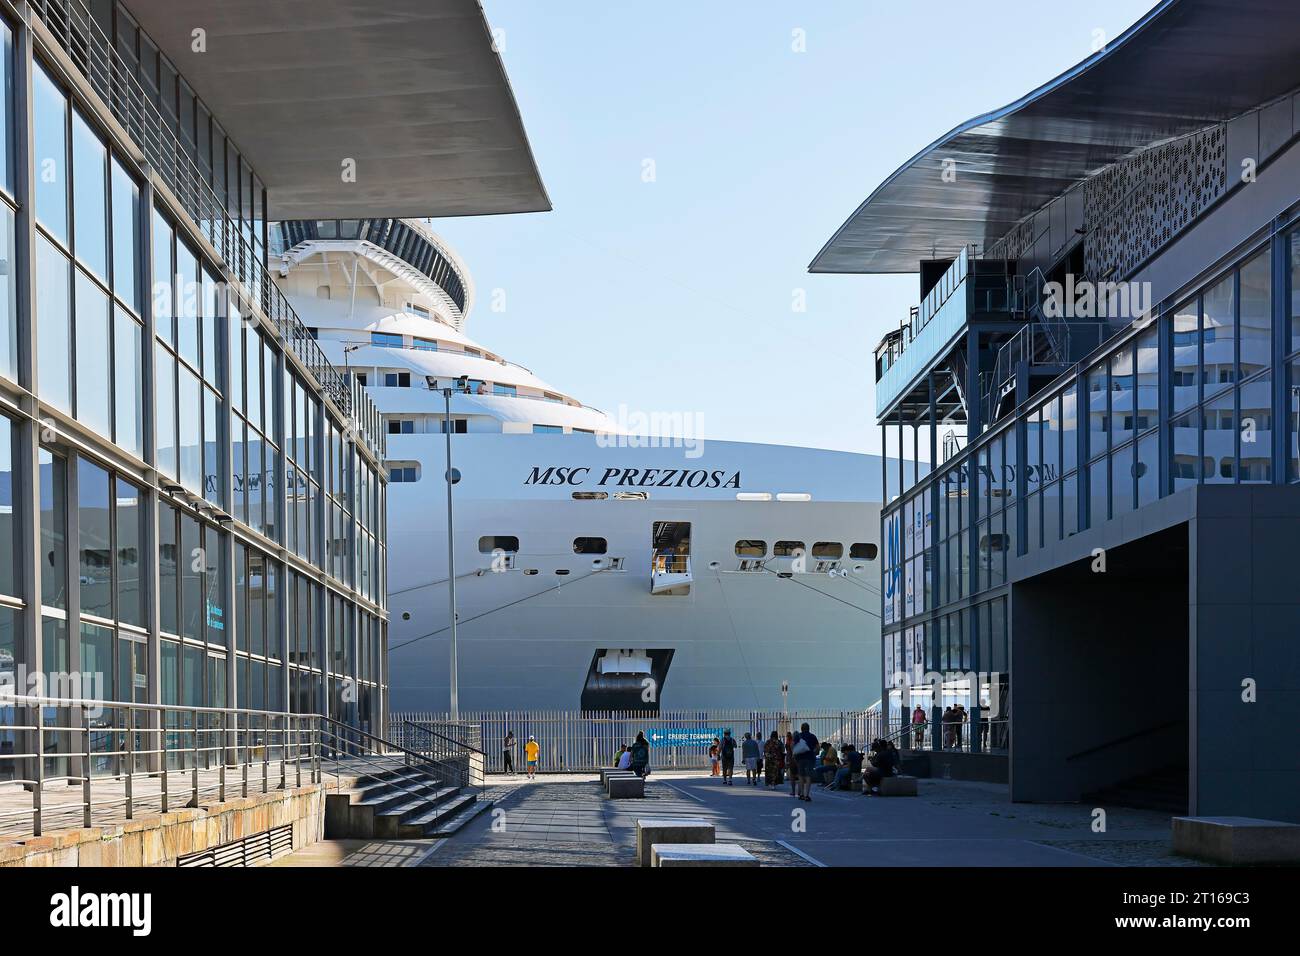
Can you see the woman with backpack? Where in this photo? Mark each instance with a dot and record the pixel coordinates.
(641, 755)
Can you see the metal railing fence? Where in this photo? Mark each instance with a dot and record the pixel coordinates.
(122, 758)
(584, 741)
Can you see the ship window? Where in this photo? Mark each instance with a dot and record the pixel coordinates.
(322, 292)
(751, 549)
(561, 571)
(425, 345)
(402, 472)
(787, 549)
(631, 495)
(459, 426)
(590, 495)
(498, 542)
(397, 379)
(401, 426)
(828, 549)
(361, 378)
(548, 429)
(590, 545)
(503, 389)
(863, 551)
(386, 339)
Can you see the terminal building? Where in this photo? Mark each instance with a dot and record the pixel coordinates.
(192, 498)
(1104, 370)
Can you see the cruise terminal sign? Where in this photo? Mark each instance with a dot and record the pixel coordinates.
(633, 477)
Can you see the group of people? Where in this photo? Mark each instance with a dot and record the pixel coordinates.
(954, 720)
(805, 759)
(635, 756)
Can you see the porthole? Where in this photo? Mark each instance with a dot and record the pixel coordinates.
(561, 571)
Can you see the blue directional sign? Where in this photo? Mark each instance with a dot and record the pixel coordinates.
(682, 737)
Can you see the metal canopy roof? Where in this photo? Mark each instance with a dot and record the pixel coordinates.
(410, 89)
(1183, 66)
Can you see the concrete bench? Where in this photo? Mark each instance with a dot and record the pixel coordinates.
(700, 854)
(1237, 840)
(617, 775)
(606, 772)
(681, 831)
(622, 787)
(897, 786)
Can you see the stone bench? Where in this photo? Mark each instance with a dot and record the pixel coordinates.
(680, 832)
(896, 786)
(617, 775)
(622, 787)
(1237, 840)
(700, 854)
(606, 772)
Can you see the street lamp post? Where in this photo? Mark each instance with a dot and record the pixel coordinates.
(451, 568)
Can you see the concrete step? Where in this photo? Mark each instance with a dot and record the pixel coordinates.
(451, 825)
(396, 821)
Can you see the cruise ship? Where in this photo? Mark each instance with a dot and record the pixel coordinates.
(596, 567)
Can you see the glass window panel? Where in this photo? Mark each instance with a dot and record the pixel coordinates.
(162, 293)
(1185, 384)
(211, 324)
(1034, 530)
(1122, 470)
(236, 351)
(1098, 493)
(193, 562)
(256, 603)
(253, 374)
(54, 529)
(1256, 431)
(1052, 513)
(1069, 505)
(168, 569)
(1219, 431)
(1218, 324)
(213, 476)
(89, 197)
(241, 598)
(1121, 395)
(187, 304)
(273, 630)
(1052, 440)
(1294, 241)
(165, 411)
(191, 435)
(126, 237)
(8, 494)
(128, 340)
(1256, 315)
(1185, 468)
(6, 108)
(8, 302)
(54, 339)
(1097, 411)
(96, 665)
(1148, 469)
(128, 515)
(94, 388)
(1148, 380)
(50, 138)
(1069, 431)
(94, 522)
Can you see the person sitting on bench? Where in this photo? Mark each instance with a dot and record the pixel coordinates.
(884, 763)
(851, 763)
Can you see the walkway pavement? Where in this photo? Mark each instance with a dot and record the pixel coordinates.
(567, 821)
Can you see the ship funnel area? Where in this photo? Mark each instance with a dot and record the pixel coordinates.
(626, 679)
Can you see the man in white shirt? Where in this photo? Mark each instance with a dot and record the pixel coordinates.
(625, 759)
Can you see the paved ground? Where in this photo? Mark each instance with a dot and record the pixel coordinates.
(566, 821)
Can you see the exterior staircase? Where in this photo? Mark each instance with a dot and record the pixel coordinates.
(398, 802)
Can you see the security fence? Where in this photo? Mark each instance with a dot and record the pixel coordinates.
(576, 741)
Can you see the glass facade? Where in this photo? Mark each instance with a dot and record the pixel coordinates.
(194, 492)
(1186, 398)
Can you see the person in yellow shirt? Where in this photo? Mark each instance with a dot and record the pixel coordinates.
(532, 751)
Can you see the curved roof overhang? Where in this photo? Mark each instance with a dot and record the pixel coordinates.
(1185, 65)
(412, 90)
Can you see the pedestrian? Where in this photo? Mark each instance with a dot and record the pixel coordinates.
(805, 753)
(508, 753)
(790, 766)
(532, 753)
(918, 727)
(959, 718)
(640, 755)
(773, 754)
(715, 756)
(947, 720)
(728, 757)
(749, 751)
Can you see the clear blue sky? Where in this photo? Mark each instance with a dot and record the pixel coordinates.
(676, 295)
